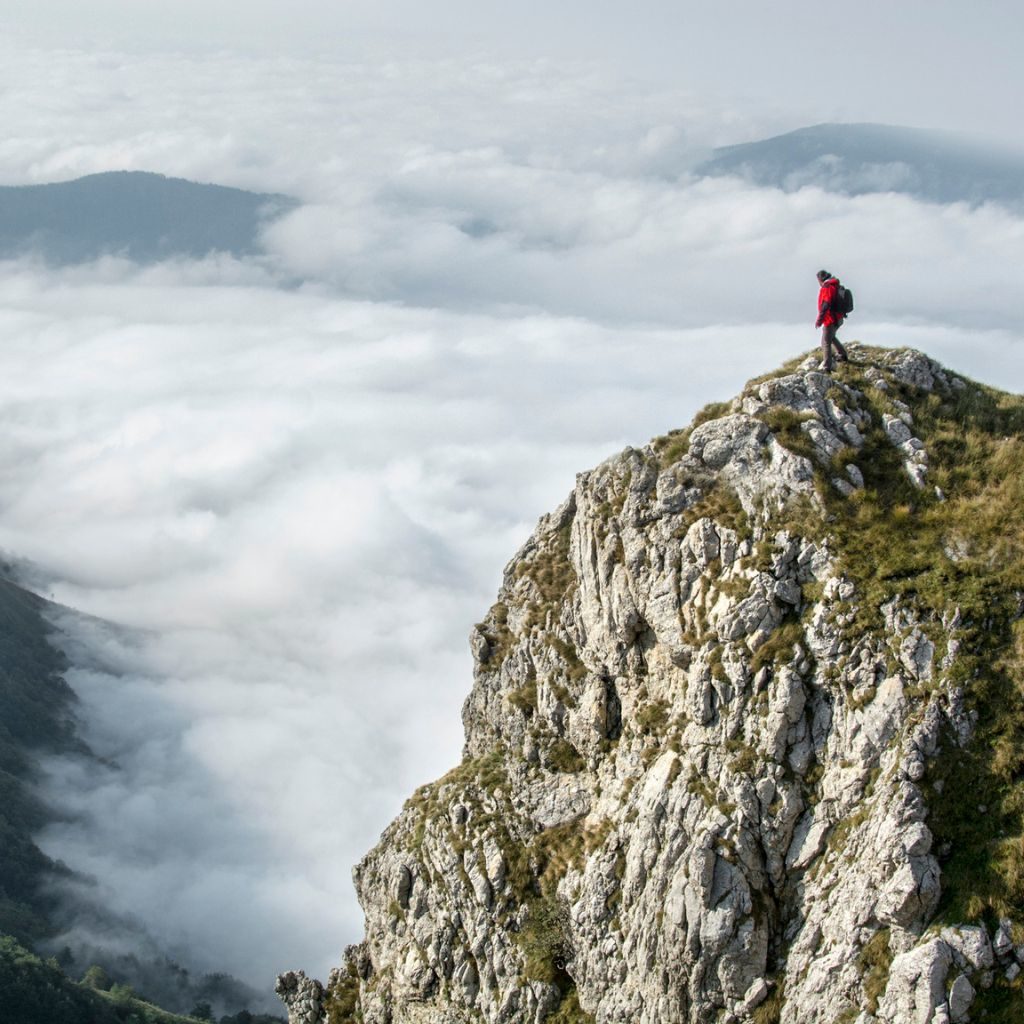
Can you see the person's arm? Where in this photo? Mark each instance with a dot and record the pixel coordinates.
(826, 301)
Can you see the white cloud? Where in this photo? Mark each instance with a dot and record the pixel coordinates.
(298, 506)
(293, 502)
(775, 54)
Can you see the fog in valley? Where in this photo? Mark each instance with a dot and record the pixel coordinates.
(272, 492)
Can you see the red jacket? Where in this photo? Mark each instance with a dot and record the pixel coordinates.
(826, 303)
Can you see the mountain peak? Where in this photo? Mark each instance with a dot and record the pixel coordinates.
(742, 735)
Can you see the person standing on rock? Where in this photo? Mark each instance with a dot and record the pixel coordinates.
(829, 319)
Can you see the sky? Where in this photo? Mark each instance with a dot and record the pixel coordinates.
(932, 63)
(274, 495)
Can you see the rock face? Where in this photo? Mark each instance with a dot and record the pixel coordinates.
(729, 691)
(302, 996)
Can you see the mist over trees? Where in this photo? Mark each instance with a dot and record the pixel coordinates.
(37, 710)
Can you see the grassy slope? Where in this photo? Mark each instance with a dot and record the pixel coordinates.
(957, 556)
(36, 992)
(961, 552)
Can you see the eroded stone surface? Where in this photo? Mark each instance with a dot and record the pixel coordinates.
(685, 770)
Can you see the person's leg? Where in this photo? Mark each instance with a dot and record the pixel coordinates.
(828, 334)
(843, 357)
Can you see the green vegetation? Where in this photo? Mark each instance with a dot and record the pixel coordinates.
(573, 666)
(770, 1011)
(892, 538)
(840, 835)
(342, 1002)
(671, 447)
(652, 718)
(472, 779)
(569, 1011)
(952, 553)
(779, 645)
(555, 850)
(33, 991)
(36, 718)
(131, 1009)
(494, 629)
(745, 760)
(542, 939)
(35, 707)
(696, 786)
(956, 558)
(550, 570)
(874, 961)
(711, 411)
(245, 1017)
(787, 426)
(525, 697)
(720, 503)
(999, 1004)
(802, 517)
(562, 756)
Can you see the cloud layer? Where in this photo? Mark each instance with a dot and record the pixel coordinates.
(291, 484)
(856, 69)
(295, 507)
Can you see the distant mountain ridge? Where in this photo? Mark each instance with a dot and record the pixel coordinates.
(139, 215)
(858, 159)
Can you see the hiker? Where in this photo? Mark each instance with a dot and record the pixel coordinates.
(829, 319)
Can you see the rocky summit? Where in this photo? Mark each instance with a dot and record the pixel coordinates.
(745, 739)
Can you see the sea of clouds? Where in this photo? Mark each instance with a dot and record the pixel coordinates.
(274, 495)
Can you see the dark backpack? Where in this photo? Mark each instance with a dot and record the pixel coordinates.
(843, 304)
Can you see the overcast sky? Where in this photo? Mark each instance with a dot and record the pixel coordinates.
(932, 63)
(286, 488)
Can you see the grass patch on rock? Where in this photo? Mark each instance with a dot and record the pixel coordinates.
(569, 1011)
(342, 998)
(875, 960)
(550, 571)
(956, 558)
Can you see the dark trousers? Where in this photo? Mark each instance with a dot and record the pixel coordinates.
(828, 339)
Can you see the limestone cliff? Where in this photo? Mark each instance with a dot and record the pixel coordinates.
(744, 741)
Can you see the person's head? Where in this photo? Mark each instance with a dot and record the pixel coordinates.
(823, 276)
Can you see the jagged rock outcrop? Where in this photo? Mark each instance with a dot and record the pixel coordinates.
(739, 745)
(302, 996)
